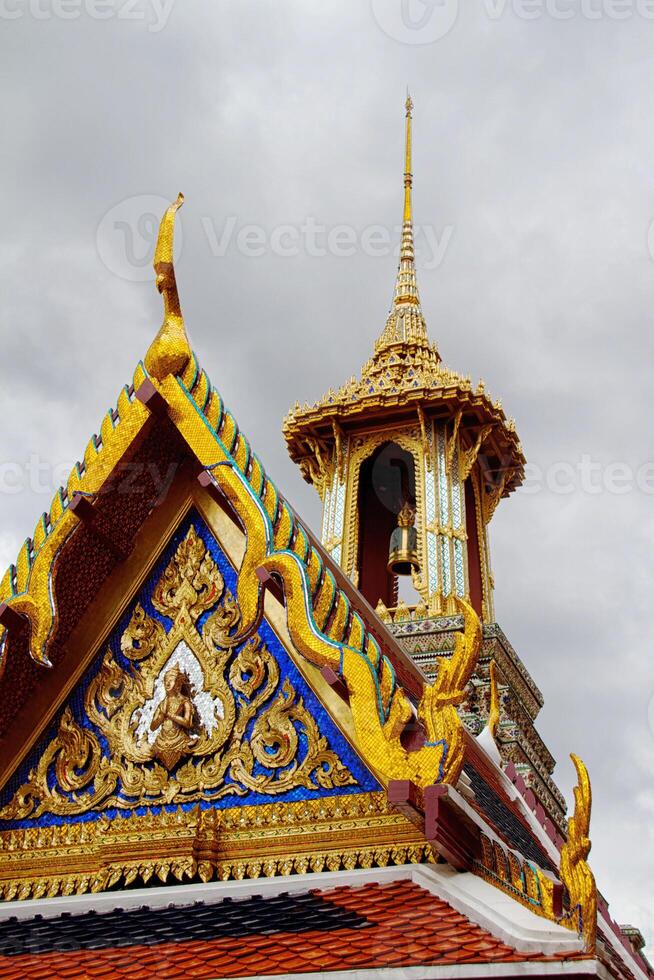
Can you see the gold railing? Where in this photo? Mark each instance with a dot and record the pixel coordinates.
(438, 605)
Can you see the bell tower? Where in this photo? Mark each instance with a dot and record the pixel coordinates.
(410, 460)
(409, 436)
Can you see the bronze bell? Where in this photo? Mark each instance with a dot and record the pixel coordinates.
(403, 552)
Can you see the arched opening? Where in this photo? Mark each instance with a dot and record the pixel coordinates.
(387, 480)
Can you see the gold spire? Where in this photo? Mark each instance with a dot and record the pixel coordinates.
(408, 176)
(406, 286)
(170, 350)
(405, 324)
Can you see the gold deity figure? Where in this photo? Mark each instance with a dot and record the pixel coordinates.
(175, 718)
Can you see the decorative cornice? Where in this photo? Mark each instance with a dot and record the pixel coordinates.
(325, 834)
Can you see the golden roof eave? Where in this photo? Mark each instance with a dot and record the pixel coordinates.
(316, 422)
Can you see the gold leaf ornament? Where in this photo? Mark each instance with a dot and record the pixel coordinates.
(141, 636)
(176, 723)
(191, 579)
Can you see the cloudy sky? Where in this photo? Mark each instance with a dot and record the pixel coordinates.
(282, 123)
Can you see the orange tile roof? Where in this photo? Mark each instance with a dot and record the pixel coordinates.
(404, 926)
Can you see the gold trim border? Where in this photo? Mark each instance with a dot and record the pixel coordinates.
(325, 834)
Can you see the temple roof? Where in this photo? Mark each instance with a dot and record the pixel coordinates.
(458, 803)
(172, 406)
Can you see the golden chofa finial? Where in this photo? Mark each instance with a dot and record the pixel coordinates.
(575, 872)
(170, 350)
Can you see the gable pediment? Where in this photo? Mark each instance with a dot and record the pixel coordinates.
(171, 712)
(180, 752)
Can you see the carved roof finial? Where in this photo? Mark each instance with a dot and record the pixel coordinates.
(170, 350)
(575, 872)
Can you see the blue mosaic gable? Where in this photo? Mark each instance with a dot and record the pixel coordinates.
(360, 780)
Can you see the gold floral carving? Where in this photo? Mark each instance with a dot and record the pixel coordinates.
(484, 554)
(191, 708)
(452, 441)
(575, 872)
(492, 496)
(426, 448)
(318, 468)
(338, 449)
(468, 457)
